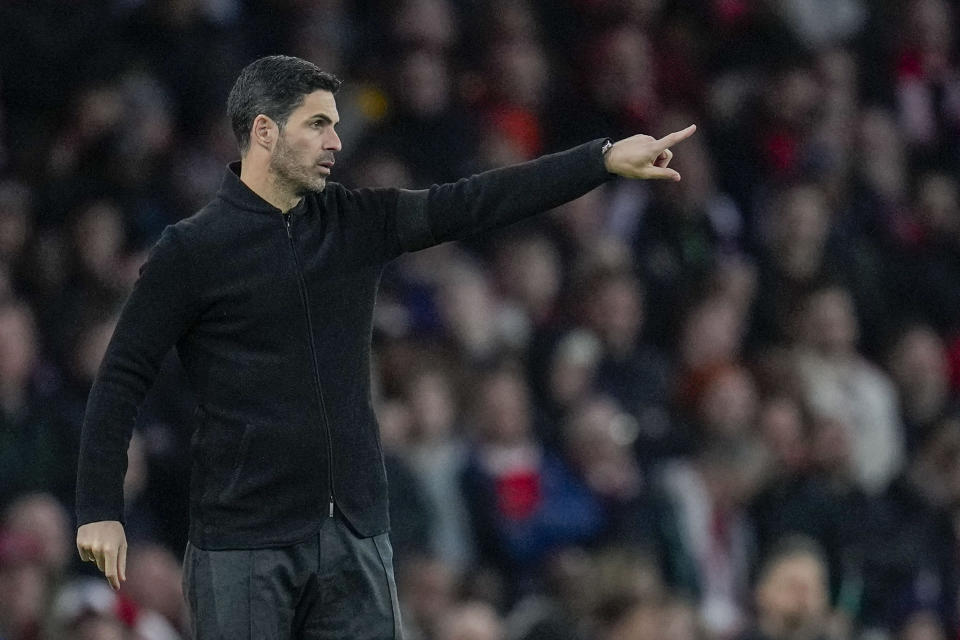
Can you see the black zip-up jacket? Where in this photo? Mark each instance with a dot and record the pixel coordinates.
(271, 315)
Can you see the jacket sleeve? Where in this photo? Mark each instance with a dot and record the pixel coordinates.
(496, 198)
(158, 311)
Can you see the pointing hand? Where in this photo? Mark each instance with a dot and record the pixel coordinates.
(645, 157)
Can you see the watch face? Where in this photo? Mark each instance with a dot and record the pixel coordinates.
(606, 147)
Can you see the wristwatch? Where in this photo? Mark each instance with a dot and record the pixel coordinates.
(607, 145)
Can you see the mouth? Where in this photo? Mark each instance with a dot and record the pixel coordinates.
(326, 166)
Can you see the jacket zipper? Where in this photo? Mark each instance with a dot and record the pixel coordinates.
(316, 367)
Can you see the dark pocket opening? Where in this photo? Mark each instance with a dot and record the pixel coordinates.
(239, 461)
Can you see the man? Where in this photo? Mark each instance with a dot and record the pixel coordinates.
(792, 594)
(268, 294)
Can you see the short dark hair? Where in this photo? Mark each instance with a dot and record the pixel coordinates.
(273, 86)
(791, 546)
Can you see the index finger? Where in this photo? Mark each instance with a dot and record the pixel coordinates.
(110, 568)
(677, 136)
(122, 562)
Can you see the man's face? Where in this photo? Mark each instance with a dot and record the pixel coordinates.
(792, 600)
(303, 156)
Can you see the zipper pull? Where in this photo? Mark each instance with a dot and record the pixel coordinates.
(286, 221)
(331, 507)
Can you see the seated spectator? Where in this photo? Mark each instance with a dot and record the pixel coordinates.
(412, 518)
(436, 454)
(800, 252)
(39, 517)
(791, 594)
(523, 500)
(435, 139)
(97, 272)
(23, 586)
(89, 608)
(474, 319)
(570, 377)
(635, 374)
(426, 588)
(839, 383)
(911, 562)
(711, 333)
(919, 367)
(710, 494)
(926, 75)
(154, 582)
(558, 611)
(723, 398)
(813, 491)
(33, 456)
(597, 443)
(785, 433)
(926, 279)
(527, 270)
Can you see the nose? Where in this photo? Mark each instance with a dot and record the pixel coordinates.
(333, 142)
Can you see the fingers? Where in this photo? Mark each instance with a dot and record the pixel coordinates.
(110, 567)
(644, 157)
(85, 549)
(110, 558)
(123, 562)
(663, 160)
(672, 139)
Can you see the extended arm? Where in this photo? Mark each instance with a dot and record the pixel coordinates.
(499, 197)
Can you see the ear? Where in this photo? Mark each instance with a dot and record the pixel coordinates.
(264, 131)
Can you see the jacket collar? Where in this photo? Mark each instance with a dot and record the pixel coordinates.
(234, 191)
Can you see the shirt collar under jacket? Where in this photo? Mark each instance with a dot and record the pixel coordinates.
(234, 191)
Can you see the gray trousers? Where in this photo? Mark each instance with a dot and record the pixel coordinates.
(335, 585)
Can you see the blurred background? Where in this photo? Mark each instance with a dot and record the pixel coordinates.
(723, 409)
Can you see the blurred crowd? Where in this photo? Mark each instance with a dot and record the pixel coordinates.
(721, 409)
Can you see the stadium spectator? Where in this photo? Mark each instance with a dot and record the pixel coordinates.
(842, 385)
(791, 593)
(524, 501)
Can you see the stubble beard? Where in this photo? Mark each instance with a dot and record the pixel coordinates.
(291, 176)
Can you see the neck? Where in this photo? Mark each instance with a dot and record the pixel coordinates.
(268, 185)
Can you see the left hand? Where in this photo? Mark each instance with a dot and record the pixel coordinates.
(646, 157)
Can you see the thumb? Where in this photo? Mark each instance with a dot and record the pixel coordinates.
(660, 173)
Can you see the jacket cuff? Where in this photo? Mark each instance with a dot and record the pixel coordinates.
(86, 515)
(595, 148)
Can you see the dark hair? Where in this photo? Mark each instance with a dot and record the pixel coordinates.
(273, 86)
(790, 546)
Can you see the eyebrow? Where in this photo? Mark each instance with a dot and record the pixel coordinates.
(324, 117)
